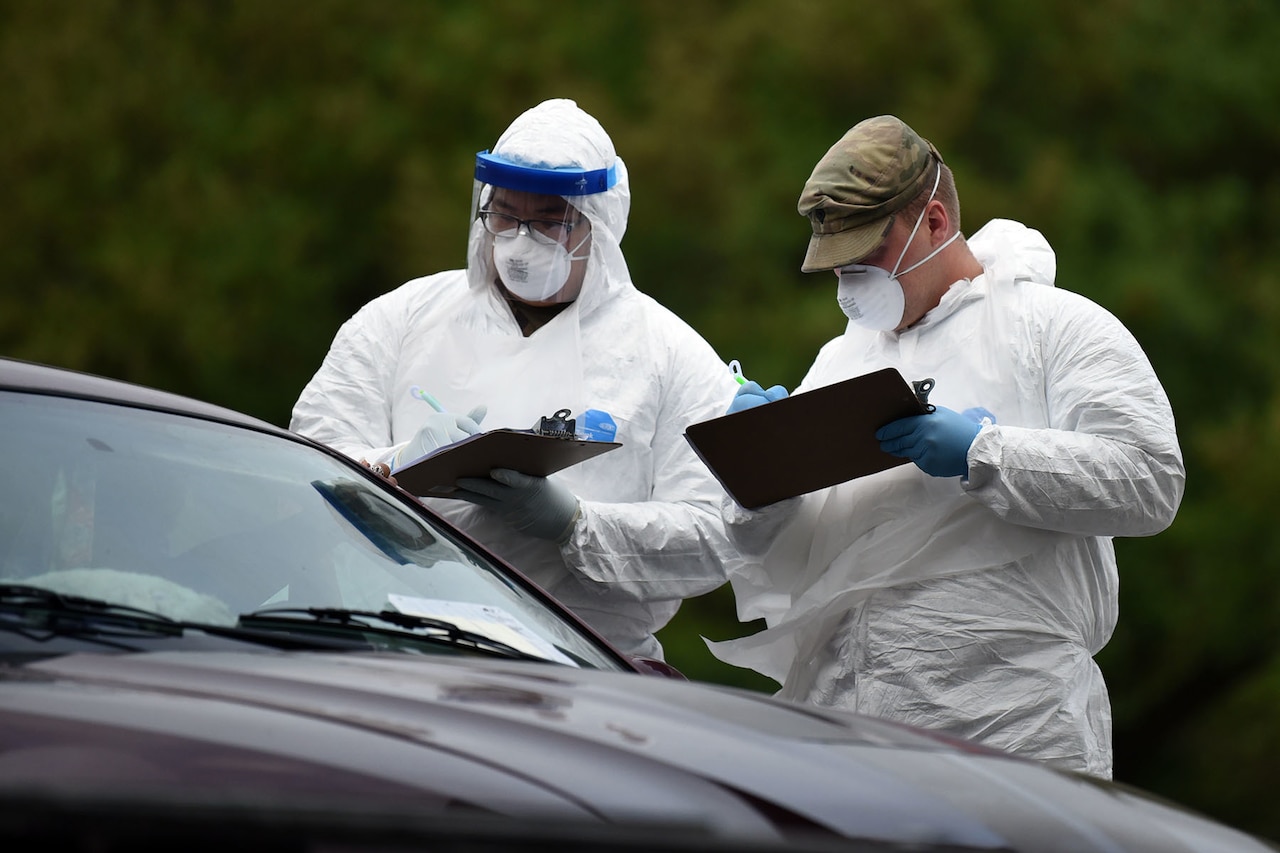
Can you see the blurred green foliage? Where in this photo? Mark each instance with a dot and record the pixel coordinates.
(197, 194)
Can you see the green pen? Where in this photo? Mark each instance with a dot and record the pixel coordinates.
(426, 397)
(736, 369)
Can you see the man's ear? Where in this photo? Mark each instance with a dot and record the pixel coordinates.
(937, 221)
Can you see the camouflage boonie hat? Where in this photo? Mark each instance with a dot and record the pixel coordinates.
(875, 169)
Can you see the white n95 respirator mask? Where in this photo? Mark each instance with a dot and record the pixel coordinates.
(871, 297)
(532, 271)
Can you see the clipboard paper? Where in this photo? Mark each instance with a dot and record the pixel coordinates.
(434, 475)
(805, 442)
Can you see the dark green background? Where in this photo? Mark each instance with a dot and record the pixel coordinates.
(197, 194)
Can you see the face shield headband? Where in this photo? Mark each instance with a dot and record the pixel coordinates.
(492, 170)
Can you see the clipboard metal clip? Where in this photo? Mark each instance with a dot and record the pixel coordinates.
(922, 387)
(558, 425)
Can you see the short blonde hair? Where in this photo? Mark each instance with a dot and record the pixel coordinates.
(946, 194)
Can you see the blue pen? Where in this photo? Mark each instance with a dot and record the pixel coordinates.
(736, 369)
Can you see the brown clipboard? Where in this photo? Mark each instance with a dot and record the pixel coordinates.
(808, 441)
(434, 475)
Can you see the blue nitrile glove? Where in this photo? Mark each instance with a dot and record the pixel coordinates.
(979, 415)
(440, 429)
(937, 442)
(538, 506)
(750, 395)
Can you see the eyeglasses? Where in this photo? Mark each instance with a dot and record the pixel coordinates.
(541, 230)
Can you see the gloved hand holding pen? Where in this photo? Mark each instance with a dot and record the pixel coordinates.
(441, 428)
(538, 506)
(750, 395)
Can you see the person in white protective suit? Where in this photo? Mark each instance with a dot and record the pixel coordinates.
(968, 592)
(545, 317)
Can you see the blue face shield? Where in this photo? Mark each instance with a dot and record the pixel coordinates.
(535, 229)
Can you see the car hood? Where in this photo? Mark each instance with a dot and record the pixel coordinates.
(547, 743)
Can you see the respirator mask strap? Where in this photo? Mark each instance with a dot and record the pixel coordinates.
(919, 219)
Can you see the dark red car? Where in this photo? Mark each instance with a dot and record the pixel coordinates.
(215, 633)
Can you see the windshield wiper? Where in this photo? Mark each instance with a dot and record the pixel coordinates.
(41, 614)
(45, 614)
(404, 625)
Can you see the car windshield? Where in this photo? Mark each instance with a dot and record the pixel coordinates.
(202, 522)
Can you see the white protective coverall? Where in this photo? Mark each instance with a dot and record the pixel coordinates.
(649, 532)
(974, 606)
